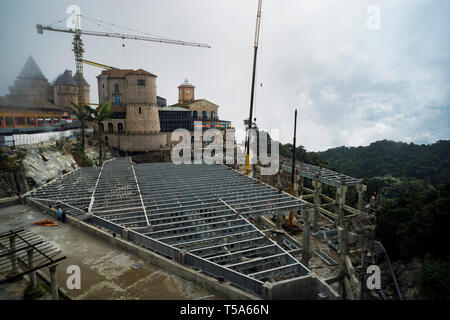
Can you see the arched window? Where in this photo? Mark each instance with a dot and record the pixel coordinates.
(194, 114)
(110, 128)
(120, 127)
(213, 115)
(204, 115)
(116, 88)
(102, 127)
(140, 110)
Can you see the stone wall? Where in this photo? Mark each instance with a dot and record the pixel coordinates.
(136, 142)
(204, 105)
(142, 118)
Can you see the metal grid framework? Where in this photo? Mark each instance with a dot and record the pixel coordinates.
(194, 214)
(22, 252)
(325, 176)
(71, 192)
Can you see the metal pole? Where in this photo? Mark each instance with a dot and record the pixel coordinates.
(293, 154)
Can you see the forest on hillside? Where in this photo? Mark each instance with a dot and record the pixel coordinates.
(413, 186)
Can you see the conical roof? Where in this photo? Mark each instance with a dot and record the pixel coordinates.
(31, 70)
(65, 79)
(84, 80)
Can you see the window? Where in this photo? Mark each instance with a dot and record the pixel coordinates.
(140, 110)
(194, 114)
(189, 91)
(116, 88)
(213, 115)
(204, 114)
(110, 128)
(120, 127)
(116, 100)
(102, 127)
(141, 82)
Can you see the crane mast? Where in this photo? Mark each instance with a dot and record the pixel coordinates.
(258, 22)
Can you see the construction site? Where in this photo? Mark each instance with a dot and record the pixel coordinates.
(141, 227)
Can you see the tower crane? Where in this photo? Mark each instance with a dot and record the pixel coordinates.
(79, 50)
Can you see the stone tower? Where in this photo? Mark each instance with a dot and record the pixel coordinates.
(65, 89)
(31, 83)
(142, 110)
(186, 92)
(132, 93)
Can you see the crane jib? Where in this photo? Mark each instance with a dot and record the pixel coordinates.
(40, 29)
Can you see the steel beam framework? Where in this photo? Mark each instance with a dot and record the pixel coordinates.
(324, 175)
(194, 214)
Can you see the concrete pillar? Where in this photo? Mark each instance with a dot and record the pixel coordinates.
(317, 202)
(30, 265)
(340, 202)
(279, 217)
(296, 184)
(12, 247)
(125, 233)
(361, 188)
(306, 253)
(343, 251)
(54, 284)
(300, 191)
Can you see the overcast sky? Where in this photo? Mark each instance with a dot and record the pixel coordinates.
(352, 84)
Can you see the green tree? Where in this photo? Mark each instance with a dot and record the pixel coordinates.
(100, 114)
(83, 114)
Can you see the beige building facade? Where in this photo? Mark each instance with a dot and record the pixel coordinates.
(134, 123)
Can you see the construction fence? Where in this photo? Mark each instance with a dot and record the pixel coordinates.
(33, 138)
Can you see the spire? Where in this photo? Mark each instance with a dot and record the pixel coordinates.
(31, 70)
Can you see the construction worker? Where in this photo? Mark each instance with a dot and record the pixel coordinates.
(59, 213)
(63, 216)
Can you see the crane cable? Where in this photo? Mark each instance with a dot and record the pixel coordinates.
(125, 28)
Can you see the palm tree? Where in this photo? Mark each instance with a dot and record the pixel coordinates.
(100, 114)
(83, 114)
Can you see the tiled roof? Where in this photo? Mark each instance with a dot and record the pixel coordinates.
(84, 80)
(185, 104)
(121, 73)
(21, 102)
(31, 70)
(65, 79)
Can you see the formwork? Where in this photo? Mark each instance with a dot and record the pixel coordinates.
(197, 215)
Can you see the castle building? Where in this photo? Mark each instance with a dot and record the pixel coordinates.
(200, 109)
(33, 102)
(134, 122)
(140, 121)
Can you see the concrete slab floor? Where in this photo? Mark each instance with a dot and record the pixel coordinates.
(106, 272)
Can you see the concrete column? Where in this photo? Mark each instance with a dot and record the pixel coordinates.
(306, 253)
(30, 265)
(343, 250)
(361, 188)
(317, 203)
(279, 217)
(340, 202)
(125, 233)
(296, 184)
(54, 284)
(300, 191)
(12, 247)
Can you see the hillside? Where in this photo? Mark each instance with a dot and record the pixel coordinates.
(426, 162)
(413, 184)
